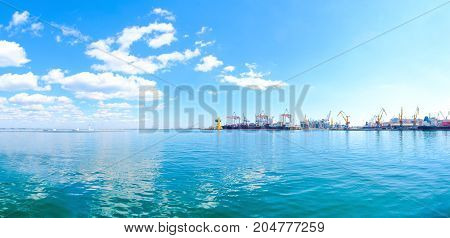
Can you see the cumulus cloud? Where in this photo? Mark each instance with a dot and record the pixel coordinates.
(203, 30)
(161, 40)
(132, 34)
(119, 61)
(24, 22)
(252, 79)
(102, 86)
(115, 54)
(12, 54)
(208, 63)
(39, 107)
(164, 13)
(18, 19)
(17, 82)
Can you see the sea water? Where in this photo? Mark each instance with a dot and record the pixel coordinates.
(225, 174)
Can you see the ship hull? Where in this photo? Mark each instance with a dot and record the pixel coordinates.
(434, 128)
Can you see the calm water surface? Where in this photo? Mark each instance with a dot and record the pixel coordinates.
(225, 174)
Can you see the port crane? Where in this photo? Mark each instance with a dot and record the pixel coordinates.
(345, 117)
(400, 117)
(328, 116)
(379, 117)
(306, 122)
(442, 114)
(245, 121)
(234, 119)
(286, 118)
(416, 115)
(326, 122)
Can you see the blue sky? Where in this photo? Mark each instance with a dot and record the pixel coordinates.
(56, 69)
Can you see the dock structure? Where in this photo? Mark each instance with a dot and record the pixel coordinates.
(287, 122)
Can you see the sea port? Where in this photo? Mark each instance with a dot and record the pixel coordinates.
(378, 122)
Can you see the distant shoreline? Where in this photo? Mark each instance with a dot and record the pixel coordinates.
(46, 130)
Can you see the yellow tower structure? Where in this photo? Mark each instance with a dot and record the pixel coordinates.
(218, 124)
(346, 119)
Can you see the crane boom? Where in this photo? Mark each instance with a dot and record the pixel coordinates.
(345, 117)
(380, 117)
(328, 116)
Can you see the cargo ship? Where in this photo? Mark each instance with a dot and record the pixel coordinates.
(433, 124)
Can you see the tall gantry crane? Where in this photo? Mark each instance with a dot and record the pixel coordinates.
(379, 117)
(326, 123)
(345, 117)
(234, 120)
(442, 114)
(286, 117)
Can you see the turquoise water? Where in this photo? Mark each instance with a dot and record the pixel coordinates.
(225, 174)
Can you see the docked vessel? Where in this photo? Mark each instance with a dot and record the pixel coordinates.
(433, 124)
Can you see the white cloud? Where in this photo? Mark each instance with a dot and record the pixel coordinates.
(202, 43)
(208, 63)
(203, 30)
(122, 61)
(102, 86)
(161, 40)
(164, 13)
(119, 61)
(36, 28)
(252, 79)
(114, 112)
(111, 114)
(121, 105)
(17, 82)
(131, 34)
(34, 107)
(38, 107)
(165, 59)
(58, 38)
(32, 99)
(75, 35)
(115, 54)
(24, 22)
(18, 19)
(229, 68)
(12, 54)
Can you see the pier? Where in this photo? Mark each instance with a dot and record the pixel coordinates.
(287, 121)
